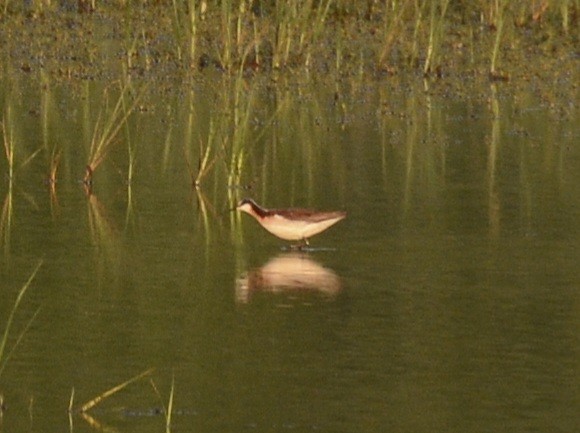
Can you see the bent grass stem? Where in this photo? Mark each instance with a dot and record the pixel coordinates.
(108, 393)
(5, 357)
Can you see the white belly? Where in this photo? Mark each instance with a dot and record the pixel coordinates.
(295, 230)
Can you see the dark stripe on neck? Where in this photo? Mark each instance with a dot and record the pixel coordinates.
(260, 211)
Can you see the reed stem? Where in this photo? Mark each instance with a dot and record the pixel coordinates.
(500, 9)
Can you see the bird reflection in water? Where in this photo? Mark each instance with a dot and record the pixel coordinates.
(288, 273)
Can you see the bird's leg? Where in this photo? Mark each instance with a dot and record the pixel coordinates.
(301, 246)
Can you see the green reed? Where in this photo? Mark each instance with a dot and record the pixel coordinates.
(194, 17)
(226, 51)
(291, 34)
(186, 17)
(298, 27)
(499, 15)
(4, 353)
(107, 126)
(436, 33)
(243, 103)
(176, 25)
(207, 150)
(319, 17)
(391, 23)
(283, 37)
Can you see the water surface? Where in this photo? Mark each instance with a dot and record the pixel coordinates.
(446, 301)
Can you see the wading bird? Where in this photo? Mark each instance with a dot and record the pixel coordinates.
(291, 224)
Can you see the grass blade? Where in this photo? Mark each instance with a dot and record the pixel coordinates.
(167, 410)
(170, 406)
(95, 401)
(19, 298)
(18, 340)
(71, 400)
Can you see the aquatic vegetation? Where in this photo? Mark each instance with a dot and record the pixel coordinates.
(207, 153)
(54, 161)
(6, 220)
(494, 211)
(4, 353)
(83, 410)
(204, 164)
(260, 36)
(108, 393)
(104, 233)
(107, 126)
(391, 29)
(242, 111)
(499, 14)
(436, 27)
(167, 409)
(222, 146)
(295, 35)
(8, 141)
(298, 28)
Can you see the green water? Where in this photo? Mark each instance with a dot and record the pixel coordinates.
(448, 300)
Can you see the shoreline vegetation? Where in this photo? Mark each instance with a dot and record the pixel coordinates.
(120, 56)
(499, 40)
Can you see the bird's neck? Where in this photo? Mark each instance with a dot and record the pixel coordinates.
(259, 212)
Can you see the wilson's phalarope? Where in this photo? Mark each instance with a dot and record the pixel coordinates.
(291, 224)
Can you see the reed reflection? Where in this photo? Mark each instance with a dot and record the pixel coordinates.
(103, 232)
(288, 273)
(6, 221)
(494, 203)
